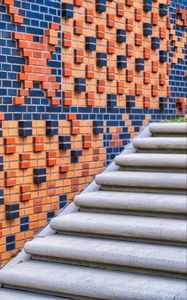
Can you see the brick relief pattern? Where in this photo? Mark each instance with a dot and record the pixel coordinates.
(79, 79)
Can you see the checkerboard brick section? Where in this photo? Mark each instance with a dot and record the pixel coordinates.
(77, 81)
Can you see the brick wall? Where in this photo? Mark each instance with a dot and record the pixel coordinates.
(78, 79)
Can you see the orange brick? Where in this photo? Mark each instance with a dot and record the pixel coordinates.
(54, 101)
(18, 19)
(138, 14)
(129, 25)
(72, 117)
(13, 10)
(54, 26)
(147, 77)
(129, 75)
(138, 39)
(162, 79)
(120, 88)
(78, 56)
(154, 66)
(19, 100)
(147, 53)
(89, 16)
(67, 69)
(90, 71)
(63, 169)
(78, 27)
(146, 102)
(154, 18)
(154, 90)
(138, 89)
(8, 2)
(110, 21)
(66, 40)
(110, 73)
(100, 31)
(89, 99)
(78, 3)
(120, 9)
(110, 47)
(100, 86)
(129, 50)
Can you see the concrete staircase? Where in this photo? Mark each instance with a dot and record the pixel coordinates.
(124, 239)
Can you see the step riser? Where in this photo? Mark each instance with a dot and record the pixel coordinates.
(157, 134)
(137, 202)
(161, 214)
(169, 151)
(142, 190)
(48, 293)
(172, 129)
(138, 269)
(168, 162)
(128, 238)
(153, 169)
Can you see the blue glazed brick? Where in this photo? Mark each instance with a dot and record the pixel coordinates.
(51, 127)
(162, 102)
(24, 224)
(120, 36)
(67, 10)
(155, 43)
(111, 100)
(39, 175)
(90, 43)
(163, 9)
(50, 215)
(12, 207)
(147, 29)
(101, 59)
(64, 142)
(75, 155)
(130, 101)
(100, 6)
(1, 163)
(163, 56)
(147, 5)
(79, 85)
(97, 127)
(121, 61)
(11, 215)
(62, 201)
(139, 64)
(25, 127)
(10, 242)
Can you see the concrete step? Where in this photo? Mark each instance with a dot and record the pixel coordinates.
(81, 282)
(161, 144)
(143, 181)
(124, 201)
(122, 226)
(109, 253)
(154, 162)
(168, 129)
(9, 294)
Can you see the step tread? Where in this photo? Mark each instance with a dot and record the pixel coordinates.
(133, 201)
(11, 294)
(92, 282)
(122, 226)
(173, 127)
(152, 160)
(143, 179)
(112, 252)
(166, 143)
